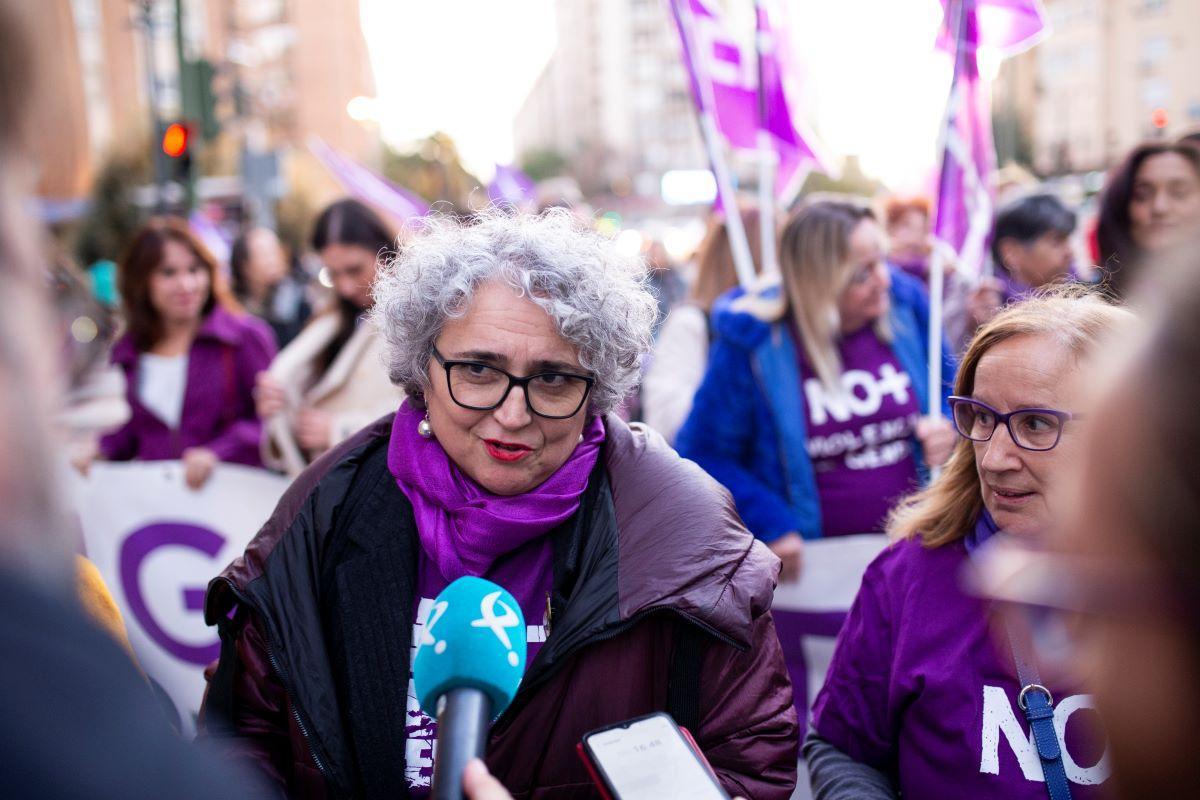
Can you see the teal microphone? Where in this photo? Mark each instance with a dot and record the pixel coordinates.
(469, 663)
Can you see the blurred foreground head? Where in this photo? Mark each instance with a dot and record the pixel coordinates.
(1136, 526)
(30, 536)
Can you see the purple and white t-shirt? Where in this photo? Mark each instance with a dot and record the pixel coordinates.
(860, 439)
(528, 574)
(921, 688)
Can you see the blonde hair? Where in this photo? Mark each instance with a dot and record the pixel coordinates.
(814, 257)
(1078, 317)
(715, 272)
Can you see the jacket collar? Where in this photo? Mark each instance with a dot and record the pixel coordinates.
(219, 326)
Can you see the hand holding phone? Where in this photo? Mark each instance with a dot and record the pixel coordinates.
(649, 758)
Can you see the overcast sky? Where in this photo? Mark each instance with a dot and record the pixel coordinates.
(460, 66)
(873, 85)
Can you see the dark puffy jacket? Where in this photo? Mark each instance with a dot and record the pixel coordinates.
(656, 557)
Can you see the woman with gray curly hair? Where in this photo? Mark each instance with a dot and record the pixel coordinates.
(514, 337)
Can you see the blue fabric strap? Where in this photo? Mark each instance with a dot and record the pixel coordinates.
(1034, 699)
(1038, 705)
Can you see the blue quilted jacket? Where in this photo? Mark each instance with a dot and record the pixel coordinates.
(748, 423)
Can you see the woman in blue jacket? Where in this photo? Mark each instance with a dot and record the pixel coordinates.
(811, 410)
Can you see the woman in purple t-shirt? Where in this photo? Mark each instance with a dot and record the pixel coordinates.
(921, 695)
(810, 411)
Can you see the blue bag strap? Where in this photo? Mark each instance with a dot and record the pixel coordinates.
(1038, 704)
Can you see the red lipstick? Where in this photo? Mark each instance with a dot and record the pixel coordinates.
(507, 452)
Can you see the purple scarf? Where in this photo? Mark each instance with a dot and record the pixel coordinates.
(464, 528)
(985, 528)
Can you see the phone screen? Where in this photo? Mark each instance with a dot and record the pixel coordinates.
(649, 759)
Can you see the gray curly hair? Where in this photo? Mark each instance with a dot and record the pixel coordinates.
(596, 296)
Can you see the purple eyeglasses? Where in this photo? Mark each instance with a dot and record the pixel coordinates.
(1030, 428)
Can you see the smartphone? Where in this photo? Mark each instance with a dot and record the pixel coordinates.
(649, 758)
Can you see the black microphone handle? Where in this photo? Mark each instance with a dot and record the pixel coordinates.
(464, 716)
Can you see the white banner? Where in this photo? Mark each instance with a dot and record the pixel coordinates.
(157, 544)
(810, 611)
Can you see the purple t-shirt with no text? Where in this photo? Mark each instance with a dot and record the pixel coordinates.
(860, 440)
(528, 573)
(922, 686)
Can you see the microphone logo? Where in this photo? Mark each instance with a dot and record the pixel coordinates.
(499, 625)
(427, 637)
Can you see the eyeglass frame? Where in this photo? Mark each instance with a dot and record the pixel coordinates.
(513, 380)
(1063, 418)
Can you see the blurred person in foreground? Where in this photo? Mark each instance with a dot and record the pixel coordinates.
(920, 698)
(264, 284)
(514, 338)
(810, 411)
(1151, 203)
(330, 381)
(190, 356)
(76, 719)
(1116, 600)
(681, 349)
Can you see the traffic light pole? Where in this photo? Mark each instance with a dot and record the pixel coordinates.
(186, 88)
(160, 168)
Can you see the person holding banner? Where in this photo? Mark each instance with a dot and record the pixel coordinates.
(681, 350)
(330, 381)
(918, 683)
(189, 354)
(810, 410)
(514, 338)
(1151, 204)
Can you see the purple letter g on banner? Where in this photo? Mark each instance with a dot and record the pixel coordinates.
(140, 544)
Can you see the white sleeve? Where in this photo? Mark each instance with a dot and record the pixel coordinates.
(676, 370)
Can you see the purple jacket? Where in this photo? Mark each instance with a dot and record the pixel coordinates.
(218, 409)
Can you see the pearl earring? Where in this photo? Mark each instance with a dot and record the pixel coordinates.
(424, 428)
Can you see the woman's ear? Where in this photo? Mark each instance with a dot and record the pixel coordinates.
(1010, 254)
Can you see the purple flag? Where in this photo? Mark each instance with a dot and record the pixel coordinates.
(211, 235)
(724, 78)
(511, 185)
(365, 185)
(965, 199)
(1006, 26)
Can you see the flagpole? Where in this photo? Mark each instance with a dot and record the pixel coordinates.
(768, 159)
(743, 261)
(937, 266)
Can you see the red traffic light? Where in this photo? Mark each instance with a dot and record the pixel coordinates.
(175, 140)
(1158, 118)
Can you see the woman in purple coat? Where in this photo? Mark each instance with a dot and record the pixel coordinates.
(189, 355)
(921, 695)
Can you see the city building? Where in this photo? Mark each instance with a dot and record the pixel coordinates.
(614, 99)
(1111, 74)
(285, 70)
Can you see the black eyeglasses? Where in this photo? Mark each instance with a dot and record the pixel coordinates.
(482, 387)
(1030, 428)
